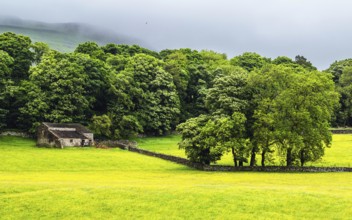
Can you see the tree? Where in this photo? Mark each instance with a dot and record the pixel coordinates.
(127, 50)
(18, 47)
(344, 87)
(56, 92)
(143, 89)
(200, 80)
(265, 85)
(228, 94)
(129, 126)
(224, 128)
(230, 133)
(97, 75)
(117, 62)
(292, 112)
(213, 59)
(39, 49)
(305, 111)
(302, 61)
(249, 61)
(101, 125)
(92, 49)
(337, 68)
(195, 141)
(6, 62)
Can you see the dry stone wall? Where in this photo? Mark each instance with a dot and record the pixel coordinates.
(15, 133)
(132, 146)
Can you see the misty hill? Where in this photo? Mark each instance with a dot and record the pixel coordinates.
(63, 37)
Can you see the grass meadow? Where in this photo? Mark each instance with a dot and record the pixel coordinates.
(90, 183)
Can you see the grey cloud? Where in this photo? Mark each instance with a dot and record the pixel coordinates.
(319, 30)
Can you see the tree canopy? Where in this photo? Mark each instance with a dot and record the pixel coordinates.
(246, 105)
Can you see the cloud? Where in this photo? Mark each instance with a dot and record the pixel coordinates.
(319, 30)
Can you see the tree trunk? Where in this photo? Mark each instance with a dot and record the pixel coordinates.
(302, 157)
(241, 163)
(234, 156)
(254, 150)
(263, 158)
(289, 157)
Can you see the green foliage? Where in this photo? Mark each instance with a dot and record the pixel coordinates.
(56, 92)
(337, 68)
(228, 94)
(294, 111)
(249, 61)
(6, 83)
(128, 127)
(302, 61)
(117, 62)
(138, 92)
(127, 50)
(146, 91)
(92, 49)
(39, 49)
(18, 47)
(192, 74)
(200, 80)
(97, 75)
(213, 59)
(198, 142)
(101, 125)
(344, 87)
(282, 60)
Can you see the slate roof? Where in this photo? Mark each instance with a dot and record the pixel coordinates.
(68, 134)
(78, 127)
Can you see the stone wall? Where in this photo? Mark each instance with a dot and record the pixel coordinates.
(341, 131)
(15, 133)
(132, 146)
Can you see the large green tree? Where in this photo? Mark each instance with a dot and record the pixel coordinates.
(18, 47)
(199, 141)
(6, 82)
(147, 92)
(344, 87)
(294, 110)
(56, 91)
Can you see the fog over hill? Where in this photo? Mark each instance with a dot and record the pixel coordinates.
(63, 36)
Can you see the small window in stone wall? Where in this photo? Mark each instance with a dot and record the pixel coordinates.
(71, 141)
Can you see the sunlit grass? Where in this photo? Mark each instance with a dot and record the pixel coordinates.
(89, 183)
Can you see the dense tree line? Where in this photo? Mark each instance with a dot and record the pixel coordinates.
(246, 105)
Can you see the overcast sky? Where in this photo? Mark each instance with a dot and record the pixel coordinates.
(320, 30)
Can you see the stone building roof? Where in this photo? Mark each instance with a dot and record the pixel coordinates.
(68, 134)
(75, 126)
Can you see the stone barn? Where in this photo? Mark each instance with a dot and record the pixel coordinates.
(64, 135)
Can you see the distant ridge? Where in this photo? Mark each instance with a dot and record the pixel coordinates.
(63, 37)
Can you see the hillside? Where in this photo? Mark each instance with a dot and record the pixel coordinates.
(63, 37)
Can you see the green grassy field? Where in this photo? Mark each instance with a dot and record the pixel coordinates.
(340, 154)
(89, 183)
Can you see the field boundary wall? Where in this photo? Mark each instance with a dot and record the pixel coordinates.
(132, 146)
